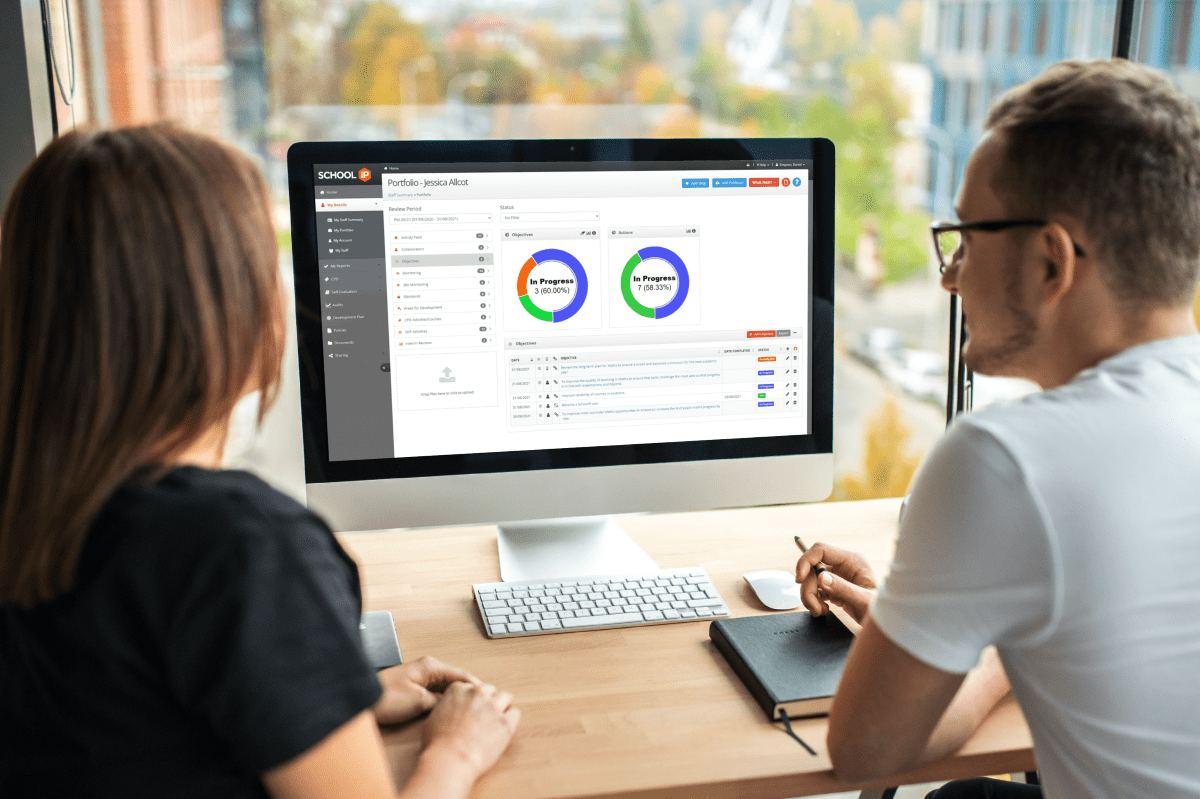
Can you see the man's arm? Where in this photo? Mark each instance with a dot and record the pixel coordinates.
(893, 712)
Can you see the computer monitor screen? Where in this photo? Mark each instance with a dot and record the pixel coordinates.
(495, 307)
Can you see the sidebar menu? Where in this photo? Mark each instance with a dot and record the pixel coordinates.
(358, 385)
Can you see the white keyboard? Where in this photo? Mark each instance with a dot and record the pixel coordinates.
(595, 603)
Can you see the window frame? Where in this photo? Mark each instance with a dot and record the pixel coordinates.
(26, 88)
(26, 91)
(960, 378)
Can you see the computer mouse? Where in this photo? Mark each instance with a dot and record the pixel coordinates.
(774, 588)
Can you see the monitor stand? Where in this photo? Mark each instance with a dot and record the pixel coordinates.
(572, 547)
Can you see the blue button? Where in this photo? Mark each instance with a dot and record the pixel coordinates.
(695, 183)
(764, 386)
(765, 372)
(796, 181)
(766, 405)
(729, 183)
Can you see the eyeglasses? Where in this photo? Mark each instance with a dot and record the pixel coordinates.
(948, 236)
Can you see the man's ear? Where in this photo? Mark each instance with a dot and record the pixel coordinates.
(1061, 263)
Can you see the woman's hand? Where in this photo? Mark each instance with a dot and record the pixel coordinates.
(471, 726)
(412, 689)
(846, 581)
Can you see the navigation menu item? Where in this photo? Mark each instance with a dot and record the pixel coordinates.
(353, 308)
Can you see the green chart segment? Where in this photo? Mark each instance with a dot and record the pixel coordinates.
(534, 311)
(681, 290)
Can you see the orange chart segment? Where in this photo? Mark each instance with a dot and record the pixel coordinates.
(523, 293)
(523, 277)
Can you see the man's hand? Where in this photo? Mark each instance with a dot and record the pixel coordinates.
(412, 689)
(847, 581)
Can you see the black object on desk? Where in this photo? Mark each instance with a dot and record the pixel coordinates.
(379, 639)
(789, 661)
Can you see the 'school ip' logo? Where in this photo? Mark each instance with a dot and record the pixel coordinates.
(363, 174)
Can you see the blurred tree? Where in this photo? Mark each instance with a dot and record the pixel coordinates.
(544, 39)
(875, 107)
(824, 31)
(386, 55)
(911, 16)
(714, 28)
(542, 67)
(508, 79)
(680, 123)
(668, 26)
(296, 35)
(768, 113)
(864, 172)
(859, 108)
(555, 87)
(716, 90)
(906, 233)
(639, 41)
(885, 38)
(507, 54)
(652, 84)
(888, 467)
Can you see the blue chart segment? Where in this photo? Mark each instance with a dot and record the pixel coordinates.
(681, 288)
(565, 258)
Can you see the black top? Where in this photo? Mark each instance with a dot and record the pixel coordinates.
(211, 635)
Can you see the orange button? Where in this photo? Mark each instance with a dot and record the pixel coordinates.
(766, 359)
(764, 182)
(760, 334)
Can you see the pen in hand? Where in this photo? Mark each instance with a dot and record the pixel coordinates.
(816, 568)
(853, 588)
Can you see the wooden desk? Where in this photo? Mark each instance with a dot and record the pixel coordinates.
(647, 711)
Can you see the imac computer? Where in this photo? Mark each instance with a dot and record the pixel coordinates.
(540, 334)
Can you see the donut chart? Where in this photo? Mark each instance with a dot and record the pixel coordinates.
(681, 290)
(565, 258)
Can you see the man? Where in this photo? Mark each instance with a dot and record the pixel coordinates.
(1064, 529)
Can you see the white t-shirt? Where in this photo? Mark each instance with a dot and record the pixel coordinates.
(1065, 529)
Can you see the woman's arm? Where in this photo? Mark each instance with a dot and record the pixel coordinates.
(413, 689)
(469, 729)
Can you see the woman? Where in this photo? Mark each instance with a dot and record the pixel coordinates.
(168, 628)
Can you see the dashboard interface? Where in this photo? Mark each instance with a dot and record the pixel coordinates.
(480, 308)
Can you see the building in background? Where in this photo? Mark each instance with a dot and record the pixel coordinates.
(246, 87)
(976, 49)
(165, 59)
(196, 62)
(1168, 37)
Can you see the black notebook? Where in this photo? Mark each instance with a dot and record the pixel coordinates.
(789, 661)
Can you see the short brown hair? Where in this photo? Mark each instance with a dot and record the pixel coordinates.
(1115, 145)
(139, 299)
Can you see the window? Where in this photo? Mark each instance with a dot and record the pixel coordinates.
(1147, 43)
(265, 73)
(1079, 27)
(1181, 14)
(1182, 69)
(1014, 28)
(985, 39)
(1042, 32)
